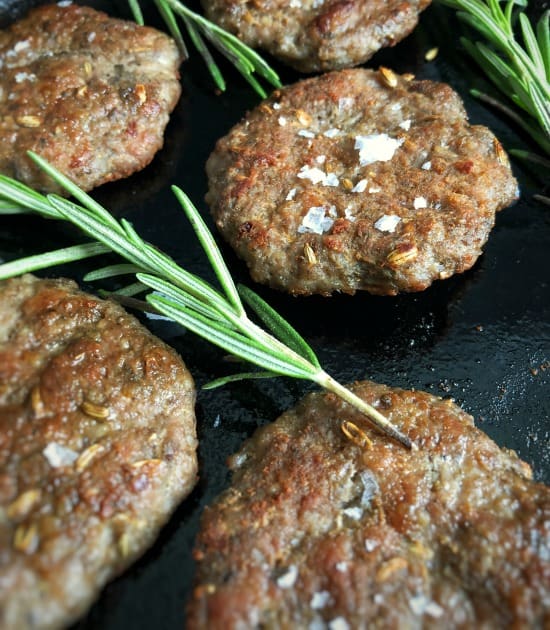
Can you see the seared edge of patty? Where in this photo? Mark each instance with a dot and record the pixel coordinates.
(315, 529)
(90, 93)
(300, 152)
(318, 36)
(97, 447)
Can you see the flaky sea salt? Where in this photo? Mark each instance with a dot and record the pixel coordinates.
(276, 106)
(320, 600)
(426, 166)
(332, 133)
(321, 159)
(306, 134)
(291, 194)
(406, 125)
(24, 76)
(318, 176)
(59, 455)
(338, 623)
(342, 567)
(282, 121)
(374, 189)
(91, 36)
(316, 220)
(355, 513)
(288, 579)
(377, 147)
(349, 215)
(64, 3)
(420, 202)
(360, 187)
(20, 46)
(331, 180)
(370, 545)
(345, 102)
(314, 174)
(387, 223)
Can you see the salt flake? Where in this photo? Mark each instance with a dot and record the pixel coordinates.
(406, 125)
(345, 103)
(316, 221)
(320, 600)
(377, 147)
(426, 166)
(59, 455)
(315, 175)
(306, 134)
(24, 76)
(282, 121)
(348, 215)
(331, 180)
(21, 46)
(360, 187)
(291, 194)
(420, 202)
(338, 623)
(321, 159)
(332, 133)
(355, 513)
(387, 223)
(288, 579)
(276, 106)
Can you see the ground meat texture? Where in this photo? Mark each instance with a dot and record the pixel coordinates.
(313, 35)
(318, 531)
(97, 447)
(358, 179)
(89, 93)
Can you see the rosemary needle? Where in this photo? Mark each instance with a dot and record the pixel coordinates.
(243, 58)
(520, 72)
(217, 316)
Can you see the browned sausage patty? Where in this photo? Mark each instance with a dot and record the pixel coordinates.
(318, 532)
(89, 93)
(358, 180)
(97, 447)
(314, 35)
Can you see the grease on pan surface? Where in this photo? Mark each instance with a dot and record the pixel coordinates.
(97, 447)
(317, 532)
(358, 179)
(315, 35)
(90, 93)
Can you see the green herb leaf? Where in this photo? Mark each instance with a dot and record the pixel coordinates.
(521, 73)
(243, 58)
(182, 296)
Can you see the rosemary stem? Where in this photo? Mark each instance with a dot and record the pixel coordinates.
(380, 422)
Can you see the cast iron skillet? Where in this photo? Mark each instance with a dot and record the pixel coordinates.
(482, 338)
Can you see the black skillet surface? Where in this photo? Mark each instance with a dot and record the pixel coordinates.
(482, 338)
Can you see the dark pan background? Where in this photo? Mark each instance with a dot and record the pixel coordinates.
(482, 338)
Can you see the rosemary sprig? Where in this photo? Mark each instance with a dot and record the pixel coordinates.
(217, 316)
(243, 58)
(522, 73)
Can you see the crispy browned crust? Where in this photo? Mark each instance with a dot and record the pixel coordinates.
(313, 35)
(80, 373)
(457, 170)
(89, 93)
(318, 532)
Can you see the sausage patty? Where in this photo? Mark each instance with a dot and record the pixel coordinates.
(319, 531)
(358, 179)
(315, 35)
(89, 93)
(97, 447)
